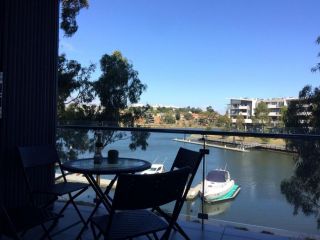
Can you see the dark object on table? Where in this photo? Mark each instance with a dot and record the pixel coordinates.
(184, 158)
(98, 148)
(113, 156)
(46, 156)
(134, 194)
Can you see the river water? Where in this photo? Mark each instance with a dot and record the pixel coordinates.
(259, 174)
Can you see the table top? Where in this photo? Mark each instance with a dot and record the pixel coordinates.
(123, 165)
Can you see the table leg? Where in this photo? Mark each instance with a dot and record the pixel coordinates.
(102, 198)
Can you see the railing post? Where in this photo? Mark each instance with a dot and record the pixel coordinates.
(204, 151)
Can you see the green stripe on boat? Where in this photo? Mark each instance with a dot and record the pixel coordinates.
(228, 196)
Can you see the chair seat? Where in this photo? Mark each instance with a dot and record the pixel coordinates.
(64, 188)
(126, 224)
(24, 218)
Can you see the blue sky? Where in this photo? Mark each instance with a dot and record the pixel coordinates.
(200, 53)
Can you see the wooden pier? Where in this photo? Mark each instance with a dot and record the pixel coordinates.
(238, 149)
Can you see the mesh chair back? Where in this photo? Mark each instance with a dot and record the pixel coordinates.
(149, 190)
(38, 164)
(37, 156)
(191, 159)
(187, 158)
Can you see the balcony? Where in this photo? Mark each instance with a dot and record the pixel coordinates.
(243, 107)
(259, 173)
(67, 228)
(272, 106)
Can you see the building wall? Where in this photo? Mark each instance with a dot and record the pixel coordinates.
(236, 107)
(29, 49)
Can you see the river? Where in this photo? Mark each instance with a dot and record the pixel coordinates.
(259, 174)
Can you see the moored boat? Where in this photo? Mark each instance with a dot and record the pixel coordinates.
(217, 184)
(155, 168)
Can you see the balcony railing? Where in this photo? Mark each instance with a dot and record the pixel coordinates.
(252, 166)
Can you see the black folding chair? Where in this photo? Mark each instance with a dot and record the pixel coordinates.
(135, 194)
(190, 159)
(46, 156)
(16, 221)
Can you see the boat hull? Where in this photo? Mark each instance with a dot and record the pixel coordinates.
(214, 191)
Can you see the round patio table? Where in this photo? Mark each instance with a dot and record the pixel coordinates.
(88, 168)
(123, 165)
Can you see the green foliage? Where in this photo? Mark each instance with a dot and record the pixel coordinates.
(210, 109)
(283, 114)
(117, 86)
(316, 68)
(224, 121)
(261, 114)
(169, 119)
(302, 190)
(69, 11)
(188, 116)
(76, 112)
(240, 122)
(177, 116)
(74, 84)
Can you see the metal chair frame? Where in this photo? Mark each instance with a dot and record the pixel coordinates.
(184, 158)
(46, 155)
(133, 195)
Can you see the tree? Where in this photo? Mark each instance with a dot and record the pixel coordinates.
(188, 116)
(283, 114)
(117, 87)
(261, 114)
(177, 115)
(240, 122)
(69, 11)
(210, 109)
(74, 84)
(169, 119)
(316, 68)
(224, 121)
(302, 190)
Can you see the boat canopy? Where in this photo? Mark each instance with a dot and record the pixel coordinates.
(217, 176)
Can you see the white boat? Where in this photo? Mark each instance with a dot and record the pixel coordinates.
(155, 168)
(217, 184)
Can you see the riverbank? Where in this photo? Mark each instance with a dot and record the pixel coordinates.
(245, 143)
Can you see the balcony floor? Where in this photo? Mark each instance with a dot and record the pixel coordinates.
(193, 229)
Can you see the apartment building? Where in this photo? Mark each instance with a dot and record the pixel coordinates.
(246, 107)
(242, 106)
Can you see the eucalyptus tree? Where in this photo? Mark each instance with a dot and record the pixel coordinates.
(69, 11)
(302, 190)
(74, 85)
(118, 87)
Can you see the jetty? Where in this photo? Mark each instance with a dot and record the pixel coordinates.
(238, 149)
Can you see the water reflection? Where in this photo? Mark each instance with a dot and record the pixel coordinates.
(213, 209)
(193, 207)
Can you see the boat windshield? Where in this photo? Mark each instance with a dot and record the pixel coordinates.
(217, 176)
